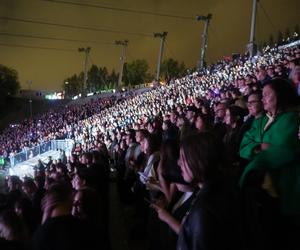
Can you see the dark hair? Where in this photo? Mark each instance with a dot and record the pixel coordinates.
(237, 112)
(131, 135)
(169, 154)
(84, 174)
(285, 93)
(258, 93)
(88, 156)
(14, 225)
(206, 120)
(204, 155)
(15, 180)
(168, 123)
(29, 182)
(90, 203)
(143, 132)
(153, 142)
(59, 192)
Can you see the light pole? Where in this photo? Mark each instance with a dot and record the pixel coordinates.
(123, 45)
(84, 85)
(67, 89)
(251, 47)
(206, 20)
(162, 37)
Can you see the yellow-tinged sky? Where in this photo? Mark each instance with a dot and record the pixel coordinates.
(229, 32)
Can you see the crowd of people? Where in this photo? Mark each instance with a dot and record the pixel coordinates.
(208, 161)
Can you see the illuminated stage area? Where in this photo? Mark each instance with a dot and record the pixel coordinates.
(26, 168)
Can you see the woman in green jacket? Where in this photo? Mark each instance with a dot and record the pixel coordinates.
(271, 144)
(273, 149)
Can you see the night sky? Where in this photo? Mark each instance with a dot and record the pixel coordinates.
(229, 32)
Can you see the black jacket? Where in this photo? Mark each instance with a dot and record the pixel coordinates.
(213, 221)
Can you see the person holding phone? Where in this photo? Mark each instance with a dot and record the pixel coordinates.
(212, 220)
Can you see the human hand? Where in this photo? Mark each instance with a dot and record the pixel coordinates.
(48, 205)
(163, 214)
(264, 146)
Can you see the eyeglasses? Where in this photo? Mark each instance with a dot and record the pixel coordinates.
(218, 110)
(252, 102)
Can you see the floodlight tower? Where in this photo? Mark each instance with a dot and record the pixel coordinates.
(162, 37)
(84, 85)
(251, 46)
(206, 20)
(123, 45)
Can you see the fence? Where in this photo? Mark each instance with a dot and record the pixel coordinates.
(26, 154)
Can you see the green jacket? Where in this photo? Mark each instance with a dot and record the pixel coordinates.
(281, 160)
(282, 132)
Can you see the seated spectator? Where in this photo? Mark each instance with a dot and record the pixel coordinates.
(234, 121)
(211, 221)
(202, 122)
(13, 232)
(278, 99)
(59, 229)
(219, 126)
(295, 77)
(14, 185)
(169, 131)
(273, 173)
(87, 207)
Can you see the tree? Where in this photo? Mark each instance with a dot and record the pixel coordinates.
(271, 40)
(93, 78)
(73, 85)
(171, 68)
(287, 33)
(9, 83)
(97, 78)
(112, 79)
(135, 72)
(279, 37)
(296, 29)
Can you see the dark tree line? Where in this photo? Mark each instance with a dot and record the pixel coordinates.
(134, 73)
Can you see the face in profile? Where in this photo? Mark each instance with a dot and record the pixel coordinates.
(254, 105)
(185, 170)
(77, 183)
(199, 124)
(76, 207)
(145, 146)
(269, 99)
(228, 119)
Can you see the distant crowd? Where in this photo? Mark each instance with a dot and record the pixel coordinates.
(207, 161)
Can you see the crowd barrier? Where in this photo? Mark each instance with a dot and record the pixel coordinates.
(28, 153)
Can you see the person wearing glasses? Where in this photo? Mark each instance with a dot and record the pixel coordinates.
(270, 182)
(255, 110)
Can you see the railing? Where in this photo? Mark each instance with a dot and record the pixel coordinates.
(26, 154)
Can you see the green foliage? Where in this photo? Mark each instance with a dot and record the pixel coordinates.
(98, 79)
(296, 29)
(271, 40)
(9, 83)
(171, 68)
(135, 72)
(279, 37)
(287, 33)
(73, 85)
